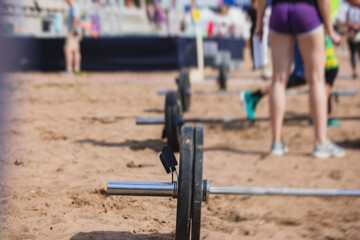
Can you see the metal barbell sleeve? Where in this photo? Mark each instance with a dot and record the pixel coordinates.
(150, 121)
(153, 189)
(153, 121)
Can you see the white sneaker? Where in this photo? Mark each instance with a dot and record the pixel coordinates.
(329, 150)
(278, 149)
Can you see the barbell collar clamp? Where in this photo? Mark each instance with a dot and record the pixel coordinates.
(206, 190)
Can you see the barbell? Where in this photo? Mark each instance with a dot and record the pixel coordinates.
(185, 90)
(190, 189)
(335, 92)
(174, 119)
(183, 82)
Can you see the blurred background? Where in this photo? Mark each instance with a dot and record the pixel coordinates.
(46, 18)
(114, 32)
(65, 134)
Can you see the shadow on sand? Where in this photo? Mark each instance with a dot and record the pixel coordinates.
(121, 236)
(353, 144)
(154, 110)
(235, 151)
(155, 145)
(105, 120)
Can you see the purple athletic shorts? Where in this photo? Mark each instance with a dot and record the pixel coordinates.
(294, 18)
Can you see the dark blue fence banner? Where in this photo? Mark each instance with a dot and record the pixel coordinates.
(239, 3)
(114, 54)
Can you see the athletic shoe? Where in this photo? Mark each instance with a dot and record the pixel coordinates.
(329, 150)
(266, 74)
(333, 123)
(330, 123)
(278, 149)
(249, 103)
(310, 122)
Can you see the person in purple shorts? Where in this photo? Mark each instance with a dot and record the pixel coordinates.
(308, 21)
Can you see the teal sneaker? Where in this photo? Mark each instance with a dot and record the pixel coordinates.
(249, 104)
(333, 123)
(330, 123)
(310, 122)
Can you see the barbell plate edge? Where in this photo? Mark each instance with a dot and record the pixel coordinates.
(197, 182)
(183, 213)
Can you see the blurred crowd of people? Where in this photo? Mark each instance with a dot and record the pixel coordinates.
(222, 21)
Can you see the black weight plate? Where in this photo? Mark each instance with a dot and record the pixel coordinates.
(173, 111)
(184, 89)
(197, 182)
(223, 75)
(183, 214)
(188, 93)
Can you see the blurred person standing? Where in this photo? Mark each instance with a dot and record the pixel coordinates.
(308, 21)
(353, 30)
(73, 39)
(58, 20)
(251, 11)
(130, 4)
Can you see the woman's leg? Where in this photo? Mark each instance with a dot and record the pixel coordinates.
(68, 60)
(358, 52)
(282, 48)
(312, 50)
(352, 56)
(77, 61)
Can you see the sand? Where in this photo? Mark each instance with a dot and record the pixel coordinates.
(66, 136)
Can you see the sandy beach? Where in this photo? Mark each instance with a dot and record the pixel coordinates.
(66, 136)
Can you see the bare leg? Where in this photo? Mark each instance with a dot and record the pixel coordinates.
(77, 55)
(265, 89)
(68, 60)
(328, 89)
(352, 48)
(282, 46)
(313, 52)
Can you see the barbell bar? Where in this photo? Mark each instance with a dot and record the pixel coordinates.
(191, 190)
(185, 90)
(174, 119)
(182, 120)
(335, 92)
(168, 189)
(283, 191)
